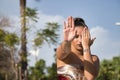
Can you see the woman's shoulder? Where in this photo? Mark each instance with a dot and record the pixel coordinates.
(95, 58)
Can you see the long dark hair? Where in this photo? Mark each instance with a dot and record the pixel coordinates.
(79, 22)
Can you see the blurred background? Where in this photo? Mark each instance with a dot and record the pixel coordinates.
(31, 30)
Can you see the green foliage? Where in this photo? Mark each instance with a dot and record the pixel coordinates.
(41, 72)
(31, 14)
(39, 40)
(49, 34)
(52, 72)
(37, 72)
(2, 35)
(11, 39)
(8, 39)
(110, 69)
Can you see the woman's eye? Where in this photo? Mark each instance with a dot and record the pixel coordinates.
(76, 36)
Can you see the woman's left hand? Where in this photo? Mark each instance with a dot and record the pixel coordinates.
(86, 38)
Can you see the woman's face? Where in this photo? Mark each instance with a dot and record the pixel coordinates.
(77, 42)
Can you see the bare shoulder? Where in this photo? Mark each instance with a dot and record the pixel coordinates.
(95, 58)
(96, 63)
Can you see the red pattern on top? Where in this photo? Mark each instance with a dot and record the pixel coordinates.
(62, 78)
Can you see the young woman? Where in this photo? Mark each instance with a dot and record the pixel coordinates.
(74, 58)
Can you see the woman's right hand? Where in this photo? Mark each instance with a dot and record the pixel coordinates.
(69, 29)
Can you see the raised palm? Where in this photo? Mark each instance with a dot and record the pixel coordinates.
(69, 29)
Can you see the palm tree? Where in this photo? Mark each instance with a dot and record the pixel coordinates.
(23, 51)
(48, 35)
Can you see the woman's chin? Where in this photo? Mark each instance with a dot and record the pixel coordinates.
(79, 48)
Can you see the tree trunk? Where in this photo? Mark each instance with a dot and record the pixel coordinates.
(23, 51)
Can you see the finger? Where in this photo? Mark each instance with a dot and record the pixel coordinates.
(83, 33)
(69, 21)
(75, 32)
(93, 39)
(67, 26)
(88, 33)
(73, 23)
(64, 25)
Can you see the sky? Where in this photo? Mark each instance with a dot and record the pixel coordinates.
(99, 15)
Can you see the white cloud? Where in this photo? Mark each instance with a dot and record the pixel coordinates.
(34, 52)
(104, 45)
(101, 35)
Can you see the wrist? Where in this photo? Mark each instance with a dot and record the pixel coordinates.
(66, 46)
(86, 50)
(65, 38)
(86, 47)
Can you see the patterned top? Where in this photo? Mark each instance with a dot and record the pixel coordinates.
(70, 72)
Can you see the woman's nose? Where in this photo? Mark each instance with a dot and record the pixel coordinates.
(80, 39)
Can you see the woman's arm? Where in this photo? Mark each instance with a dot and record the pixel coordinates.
(91, 64)
(69, 34)
(63, 50)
